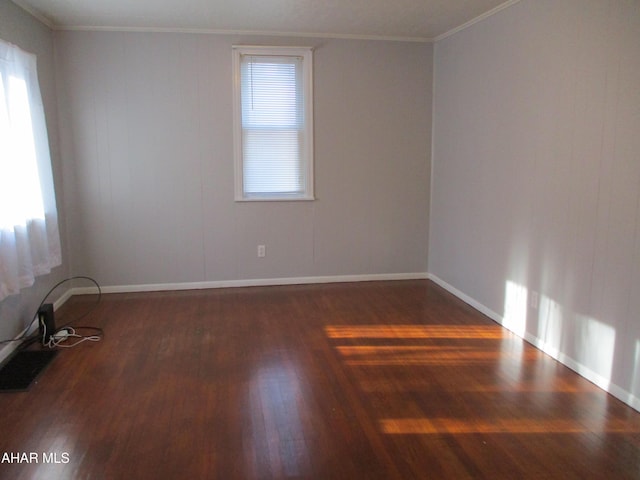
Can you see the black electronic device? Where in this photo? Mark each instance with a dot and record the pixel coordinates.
(46, 322)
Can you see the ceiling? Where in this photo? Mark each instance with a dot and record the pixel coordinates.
(392, 19)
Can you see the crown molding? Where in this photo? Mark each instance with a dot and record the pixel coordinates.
(473, 21)
(36, 14)
(261, 33)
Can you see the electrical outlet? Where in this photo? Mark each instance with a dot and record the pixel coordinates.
(262, 251)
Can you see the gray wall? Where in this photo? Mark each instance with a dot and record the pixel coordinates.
(536, 178)
(146, 132)
(20, 28)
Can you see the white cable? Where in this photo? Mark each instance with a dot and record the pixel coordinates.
(70, 333)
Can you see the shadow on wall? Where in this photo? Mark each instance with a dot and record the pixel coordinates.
(592, 341)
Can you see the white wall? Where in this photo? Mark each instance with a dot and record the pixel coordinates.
(147, 141)
(20, 28)
(536, 178)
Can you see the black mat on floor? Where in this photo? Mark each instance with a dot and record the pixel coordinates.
(23, 368)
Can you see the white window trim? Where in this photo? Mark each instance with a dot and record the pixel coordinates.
(307, 86)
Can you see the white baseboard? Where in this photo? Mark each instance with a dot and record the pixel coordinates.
(7, 350)
(585, 372)
(467, 299)
(259, 282)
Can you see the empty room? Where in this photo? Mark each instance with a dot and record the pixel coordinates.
(326, 240)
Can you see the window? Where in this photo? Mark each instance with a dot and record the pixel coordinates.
(273, 143)
(29, 238)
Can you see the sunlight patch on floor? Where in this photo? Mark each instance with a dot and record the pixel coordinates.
(431, 426)
(425, 355)
(413, 331)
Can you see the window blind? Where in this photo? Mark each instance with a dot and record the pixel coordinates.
(273, 124)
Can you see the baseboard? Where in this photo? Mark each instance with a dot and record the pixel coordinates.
(466, 299)
(7, 350)
(585, 372)
(260, 282)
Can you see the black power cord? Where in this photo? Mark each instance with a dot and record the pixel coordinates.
(29, 339)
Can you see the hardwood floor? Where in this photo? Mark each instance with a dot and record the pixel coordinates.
(389, 380)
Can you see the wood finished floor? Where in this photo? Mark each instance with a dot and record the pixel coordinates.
(388, 380)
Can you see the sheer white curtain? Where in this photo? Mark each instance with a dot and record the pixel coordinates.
(29, 237)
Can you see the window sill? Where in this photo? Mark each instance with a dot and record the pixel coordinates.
(279, 198)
